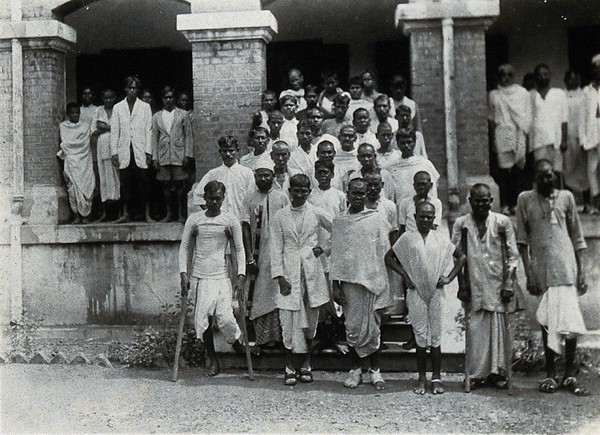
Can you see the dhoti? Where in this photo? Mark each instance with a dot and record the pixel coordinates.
(486, 345)
(560, 315)
(425, 318)
(213, 298)
(362, 319)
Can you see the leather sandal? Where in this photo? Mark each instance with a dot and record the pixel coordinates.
(571, 384)
(305, 376)
(289, 379)
(548, 385)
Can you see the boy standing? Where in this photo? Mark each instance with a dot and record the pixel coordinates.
(387, 156)
(367, 159)
(404, 171)
(78, 170)
(340, 109)
(408, 206)
(208, 233)
(259, 139)
(108, 174)
(300, 276)
(361, 121)
(268, 102)
(422, 258)
(356, 100)
(172, 150)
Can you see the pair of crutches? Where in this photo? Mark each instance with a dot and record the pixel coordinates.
(506, 294)
(243, 303)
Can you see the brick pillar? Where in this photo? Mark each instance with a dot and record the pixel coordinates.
(229, 74)
(37, 99)
(449, 83)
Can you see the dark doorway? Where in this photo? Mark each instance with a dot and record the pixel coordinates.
(584, 43)
(496, 54)
(392, 57)
(311, 57)
(156, 67)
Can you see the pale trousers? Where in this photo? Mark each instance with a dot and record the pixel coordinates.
(593, 169)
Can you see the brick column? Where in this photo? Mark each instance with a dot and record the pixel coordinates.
(449, 83)
(37, 98)
(229, 74)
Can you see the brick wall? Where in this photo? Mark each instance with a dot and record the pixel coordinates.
(427, 76)
(6, 119)
(471, 101)
(44, 101)
(229, 77)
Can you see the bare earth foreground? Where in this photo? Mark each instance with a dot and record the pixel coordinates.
(94, 399)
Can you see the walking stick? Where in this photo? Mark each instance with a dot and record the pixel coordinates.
(243, 302)
(182, 315)
(464, 294)
(506, 294)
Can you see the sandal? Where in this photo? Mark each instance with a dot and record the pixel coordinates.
(377, 379)
(437, 387)
(354, 378)
(571, 384)
(548, 385)
(289, 379)
(305, 376)
(420, 388)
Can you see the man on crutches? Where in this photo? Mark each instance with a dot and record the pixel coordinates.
(207, 233)
(489, 338)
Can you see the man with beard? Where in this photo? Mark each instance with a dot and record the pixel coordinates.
(552, 246)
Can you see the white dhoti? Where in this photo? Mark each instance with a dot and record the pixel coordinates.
(110, 187)
(213, 298)
(425, 317)
(486, 345)
(298, 327)
(362, 319)
(559, 313)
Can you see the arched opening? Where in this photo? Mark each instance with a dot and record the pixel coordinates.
(116, 39)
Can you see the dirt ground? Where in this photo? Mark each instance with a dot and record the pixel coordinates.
(69, 399)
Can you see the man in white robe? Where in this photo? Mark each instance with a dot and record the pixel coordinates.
(78, 172)
(510, 120)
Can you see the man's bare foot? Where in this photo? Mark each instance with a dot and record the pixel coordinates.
(420, 388)
(124, 218)
(149, 220)
(437, 387)
(85, 221)
(167, 218)
(181, 218)
(212, 367)
(76, 220)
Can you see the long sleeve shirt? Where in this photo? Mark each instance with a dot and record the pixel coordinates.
(550, 228)
(210, 245)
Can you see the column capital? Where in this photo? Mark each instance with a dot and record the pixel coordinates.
(429, 14)
(228, 26)
(38, 34)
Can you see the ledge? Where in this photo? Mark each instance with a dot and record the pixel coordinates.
(95, 233)
(227, 21)
(430, 10)
(37, 29)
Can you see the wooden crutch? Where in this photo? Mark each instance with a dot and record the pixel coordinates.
(182, 315)
(464, 294)
(506, 293)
